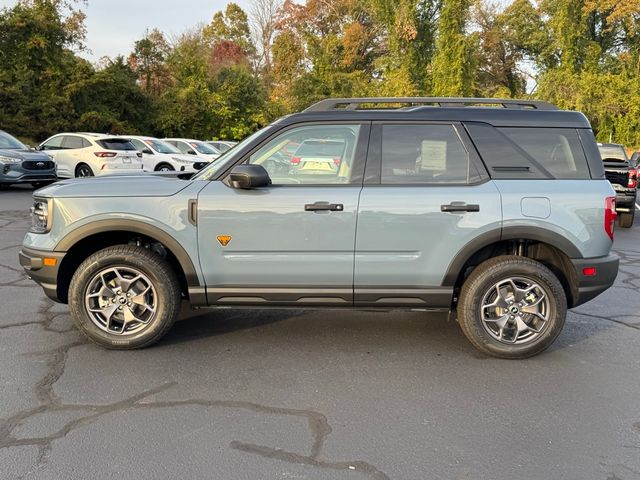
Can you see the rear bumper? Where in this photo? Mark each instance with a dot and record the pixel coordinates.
(44, 275)
(590, 287)
(625, 201)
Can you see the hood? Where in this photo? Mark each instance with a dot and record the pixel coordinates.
(139, 185)
(33, 155)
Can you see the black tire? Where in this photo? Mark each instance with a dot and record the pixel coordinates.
(483, 280)
(155, 268)
(164, 167)
(626, 219)
(83, 170)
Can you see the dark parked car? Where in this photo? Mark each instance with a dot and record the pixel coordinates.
(20, 164)
(622, 174)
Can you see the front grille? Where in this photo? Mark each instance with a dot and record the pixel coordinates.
(37, 165)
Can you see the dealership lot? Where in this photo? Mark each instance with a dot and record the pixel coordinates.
(249, 394)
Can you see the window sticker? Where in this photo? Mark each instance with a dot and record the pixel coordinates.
(433, 155)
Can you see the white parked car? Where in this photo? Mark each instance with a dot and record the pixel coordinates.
(194, 147)
(160, 156)
(221, 145)
(89, 154)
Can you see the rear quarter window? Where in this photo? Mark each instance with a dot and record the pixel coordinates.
(558, 150)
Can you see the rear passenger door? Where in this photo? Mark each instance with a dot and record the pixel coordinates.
(426, 196)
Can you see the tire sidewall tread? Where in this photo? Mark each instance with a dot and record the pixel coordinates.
(159, 272)
(492, 271)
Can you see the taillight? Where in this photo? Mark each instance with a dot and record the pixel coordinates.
(633, 178)
(104, 154)
(295, 160)
(337, 161)
(610, 215)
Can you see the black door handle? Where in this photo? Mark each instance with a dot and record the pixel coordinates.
(460, 207)
(323, 206)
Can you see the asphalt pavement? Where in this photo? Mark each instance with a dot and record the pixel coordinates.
(250, 394)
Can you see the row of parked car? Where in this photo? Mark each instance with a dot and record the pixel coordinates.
(622, 173)
(69, 155)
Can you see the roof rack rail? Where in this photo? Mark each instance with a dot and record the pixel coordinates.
(352, 103)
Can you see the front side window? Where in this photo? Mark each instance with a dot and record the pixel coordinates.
(138, 144)
(183, 147)
(53, 144)
(424, 154)
(314, 154)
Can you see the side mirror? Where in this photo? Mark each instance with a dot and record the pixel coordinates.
(249, 176)
(147, 151)
(191, 152)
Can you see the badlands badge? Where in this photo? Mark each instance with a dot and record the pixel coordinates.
(224, 239)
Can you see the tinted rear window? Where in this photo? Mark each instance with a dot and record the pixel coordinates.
(557, 149)
(116, 144)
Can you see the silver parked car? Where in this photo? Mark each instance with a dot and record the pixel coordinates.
(20, 164)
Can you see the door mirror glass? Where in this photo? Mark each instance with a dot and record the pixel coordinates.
(249, 176)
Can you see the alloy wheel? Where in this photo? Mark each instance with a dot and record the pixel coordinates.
(121, 300)
(515, 310)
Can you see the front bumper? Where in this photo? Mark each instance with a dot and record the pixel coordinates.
(590, 287)
(33, 262)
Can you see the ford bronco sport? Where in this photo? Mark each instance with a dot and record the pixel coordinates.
(495, 210)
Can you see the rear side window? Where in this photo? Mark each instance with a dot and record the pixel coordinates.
(116, 144)
(424, 154)
(73, 142)
(558, 150)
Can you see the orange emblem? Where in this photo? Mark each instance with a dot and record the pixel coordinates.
(224, 239)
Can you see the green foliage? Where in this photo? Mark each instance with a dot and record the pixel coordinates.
(452, 64)
(213, 81)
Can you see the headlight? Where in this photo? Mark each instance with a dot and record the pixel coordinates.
(183, 162)
(41, 216)
(4, 159)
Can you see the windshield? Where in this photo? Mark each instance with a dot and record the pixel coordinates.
(160, 146)
(613, 153)
(8, 142)
(211, 170)
(202, 147)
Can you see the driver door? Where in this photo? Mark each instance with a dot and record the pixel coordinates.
(291, 243)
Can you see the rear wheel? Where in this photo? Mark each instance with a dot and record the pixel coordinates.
(512, 307)
(626, 219)
(124, 297)
(164, 167)
(83, 170)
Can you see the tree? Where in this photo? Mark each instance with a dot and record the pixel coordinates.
(452, 63)
(148, 61)
(36, 63)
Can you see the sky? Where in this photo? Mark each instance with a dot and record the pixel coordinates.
(114, 25)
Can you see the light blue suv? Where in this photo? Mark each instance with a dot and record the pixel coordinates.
(495, 210)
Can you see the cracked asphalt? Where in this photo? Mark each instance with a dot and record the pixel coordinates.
(249, 394)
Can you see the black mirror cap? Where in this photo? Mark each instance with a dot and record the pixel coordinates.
(249, 176)
(191, 152)
(147, 151)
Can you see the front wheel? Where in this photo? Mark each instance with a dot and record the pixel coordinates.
(512, 307)
(124, 297)
(626, 219)
(164, 167)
